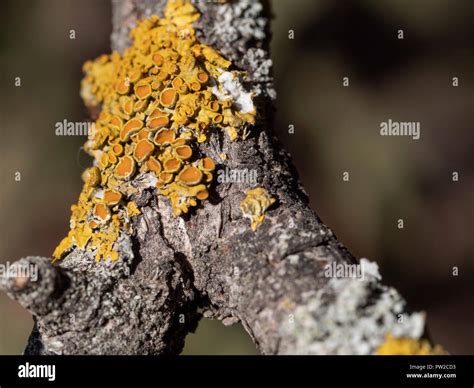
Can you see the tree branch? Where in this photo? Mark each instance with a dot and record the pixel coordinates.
(273, 280)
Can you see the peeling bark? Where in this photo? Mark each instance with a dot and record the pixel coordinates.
(272, 280)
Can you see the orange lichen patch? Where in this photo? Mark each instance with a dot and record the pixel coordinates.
(116, 122)
(207, 164)
(134, 75)
(190, 176)
(166, 87)
(131, 127)
(157, 59)
(164, 137)
(63, 247)
(112, 197)
(172, 165)
(217, 118)
(82, 235)
(232, 132)
(168, 97)
(158, 122)
(408, 347)
(117, 149)
(143, 150)
(202, 195)
(122, 87)
(140, 105)
(93, 224)
(125, 168)
(93, 176)
(177, 83)
(208, 177)
(179, 142)
(214, 106)
(126, 103)
(184, 152)
(165, 177)
(254, 205)
(202, 77)
(112, 158)
(142, 90)
(133, 209)
(154, 165)
(144, 134)
(196, 86)
(101, 212)
(182, 196)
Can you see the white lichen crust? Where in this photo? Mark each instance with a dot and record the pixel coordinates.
(360, 314)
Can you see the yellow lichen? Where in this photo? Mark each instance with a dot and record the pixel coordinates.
(256, 202)
(408, 346)
(156, 100)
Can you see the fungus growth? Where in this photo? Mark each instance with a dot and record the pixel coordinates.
(158, 101)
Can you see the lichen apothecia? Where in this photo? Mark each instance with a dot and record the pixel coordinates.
(158, 101)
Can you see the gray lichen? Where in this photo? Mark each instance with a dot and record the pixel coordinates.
(351, 316)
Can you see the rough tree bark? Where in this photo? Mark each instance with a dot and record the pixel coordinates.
(173, 270)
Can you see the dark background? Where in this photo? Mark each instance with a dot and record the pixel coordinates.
(336, 130)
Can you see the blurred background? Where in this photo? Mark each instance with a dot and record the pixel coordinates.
(336, 130)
